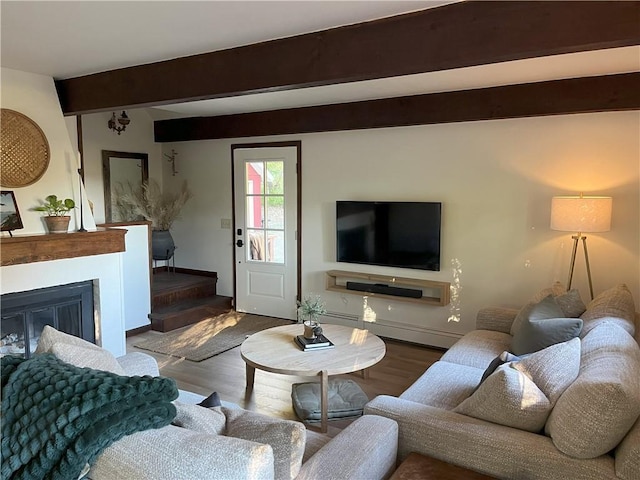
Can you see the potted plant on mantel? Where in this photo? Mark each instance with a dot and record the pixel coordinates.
(161, 209)
(56, 220)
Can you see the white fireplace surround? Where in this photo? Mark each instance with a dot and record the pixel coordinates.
(106, 273)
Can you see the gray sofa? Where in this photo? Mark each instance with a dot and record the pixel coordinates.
(226, 442)
(566, 411)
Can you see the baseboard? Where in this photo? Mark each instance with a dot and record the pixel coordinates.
(138, 330)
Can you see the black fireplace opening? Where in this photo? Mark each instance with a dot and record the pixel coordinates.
(68, 308)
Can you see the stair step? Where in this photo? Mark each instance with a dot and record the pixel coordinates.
(187, 312)
(170, 288)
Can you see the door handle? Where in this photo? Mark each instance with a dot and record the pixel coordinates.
(239, 243)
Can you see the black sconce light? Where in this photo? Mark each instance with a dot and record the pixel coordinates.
(122, 120)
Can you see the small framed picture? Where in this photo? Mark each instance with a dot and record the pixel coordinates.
(9, 213)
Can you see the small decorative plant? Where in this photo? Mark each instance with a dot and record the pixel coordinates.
(310, 308)
(54, 207)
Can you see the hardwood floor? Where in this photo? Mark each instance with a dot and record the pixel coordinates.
(225, 373)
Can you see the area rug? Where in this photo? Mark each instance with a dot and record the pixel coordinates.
(211, 336)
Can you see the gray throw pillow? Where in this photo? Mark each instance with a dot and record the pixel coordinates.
(545, 308)
(504, 357)
(534, 335)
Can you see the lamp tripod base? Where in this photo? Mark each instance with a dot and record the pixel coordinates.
(586, 259)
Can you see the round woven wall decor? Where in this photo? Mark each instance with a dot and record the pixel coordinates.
(25, 150)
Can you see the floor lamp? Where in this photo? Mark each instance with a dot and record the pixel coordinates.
(582, 215)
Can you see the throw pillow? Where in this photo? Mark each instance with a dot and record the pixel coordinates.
(556, 289)
(615, 302)
(552, 369)
(212, 400)
(199, 419)
(98, 359)
(535, 335)
(504, 357)
(50, 335)
(545, 308)
(571, 303)
(508, 397)
(524, 400)
(598, 409)
(287, 438)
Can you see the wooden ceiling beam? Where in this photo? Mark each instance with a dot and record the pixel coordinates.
(557, 97)
(451, 36)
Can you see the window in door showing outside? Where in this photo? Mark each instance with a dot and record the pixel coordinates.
(265, 211)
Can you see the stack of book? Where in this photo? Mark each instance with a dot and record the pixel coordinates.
(319, 343)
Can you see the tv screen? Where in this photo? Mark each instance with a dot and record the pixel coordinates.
(393, 234)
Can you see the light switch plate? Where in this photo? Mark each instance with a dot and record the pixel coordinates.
(225, 223)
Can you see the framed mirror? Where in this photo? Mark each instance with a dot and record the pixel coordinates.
(118, 169)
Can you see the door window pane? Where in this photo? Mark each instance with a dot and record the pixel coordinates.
(255, 211)
(256, 248)
(275, 246)
(275, 178)
(254, 177)
(275, 212)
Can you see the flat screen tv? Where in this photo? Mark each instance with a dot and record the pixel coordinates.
(393, 234)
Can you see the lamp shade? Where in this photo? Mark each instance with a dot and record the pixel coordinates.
(581, 214)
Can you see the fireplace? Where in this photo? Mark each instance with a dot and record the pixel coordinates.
(68, 308)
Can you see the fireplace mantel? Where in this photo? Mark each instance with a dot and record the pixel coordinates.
(45, 247)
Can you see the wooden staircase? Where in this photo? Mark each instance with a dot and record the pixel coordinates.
(181, 299)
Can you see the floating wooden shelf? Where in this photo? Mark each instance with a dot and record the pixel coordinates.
(18, 250)
(434, 293)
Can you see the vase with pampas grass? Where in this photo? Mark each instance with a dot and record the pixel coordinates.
(160, 208)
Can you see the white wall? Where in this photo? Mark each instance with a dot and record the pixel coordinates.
(137, 138)
(495, 180)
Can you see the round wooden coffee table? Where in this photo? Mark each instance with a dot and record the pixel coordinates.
(274, 350)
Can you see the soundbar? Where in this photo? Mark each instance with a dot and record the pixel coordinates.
(385, 289)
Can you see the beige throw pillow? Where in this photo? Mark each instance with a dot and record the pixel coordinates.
(508, 397)
(77, 351)
(50, 335)
(521, 394)
(286, 437)
(200, 419)
(99, 359)
(616, 304)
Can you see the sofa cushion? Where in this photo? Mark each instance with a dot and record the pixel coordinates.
(508, 397)
(613, 305)
(534, 335)
(444, 385)
(172, 453)
(628, 454)
(545, 308)
(286, 437)
(598, 409)
(478, 348)
(200, 419)
(76, 351)
(524, 399)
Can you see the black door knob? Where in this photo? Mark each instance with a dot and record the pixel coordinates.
(239, 243)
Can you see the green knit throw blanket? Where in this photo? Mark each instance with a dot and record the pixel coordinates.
(56, 418)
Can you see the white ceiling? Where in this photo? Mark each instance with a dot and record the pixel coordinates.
(73, 38)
